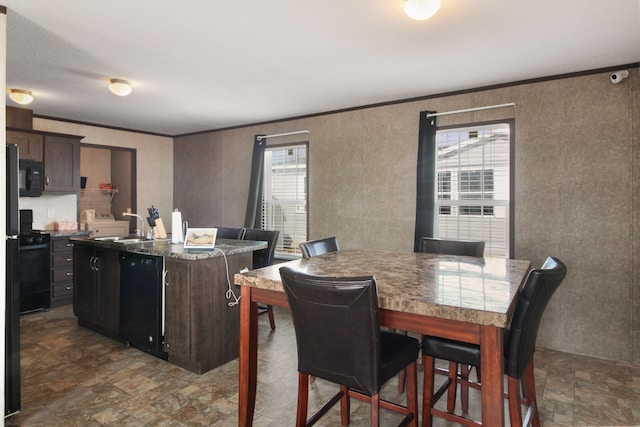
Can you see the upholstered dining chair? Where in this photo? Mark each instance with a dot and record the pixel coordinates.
(519, 345)
(264, 258)
(230, 233)
(319, 247)
(452, 247)
(473, 248)
(339, 339)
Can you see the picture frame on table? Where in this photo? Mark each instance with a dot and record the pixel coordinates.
(200, 238)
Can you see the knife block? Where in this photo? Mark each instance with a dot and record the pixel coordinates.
(160, 231)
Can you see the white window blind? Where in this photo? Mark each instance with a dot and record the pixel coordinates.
(473, 186)
(284, 197)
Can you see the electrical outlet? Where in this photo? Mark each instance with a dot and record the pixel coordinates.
(51, 213)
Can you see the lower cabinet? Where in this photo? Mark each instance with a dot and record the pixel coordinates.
(61, 271)
(201, 329)
(96, 288)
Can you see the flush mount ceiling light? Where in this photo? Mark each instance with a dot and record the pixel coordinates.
(21, 96)
(120, 87)
(421, 9)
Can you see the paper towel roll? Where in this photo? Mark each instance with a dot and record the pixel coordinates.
(176, 227)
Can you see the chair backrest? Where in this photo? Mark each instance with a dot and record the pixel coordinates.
(452, 247)
(230, 233)
(337, 327)
(319, 247)
(532, 300)
(263, 257)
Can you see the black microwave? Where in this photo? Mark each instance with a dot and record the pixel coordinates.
(30, 178)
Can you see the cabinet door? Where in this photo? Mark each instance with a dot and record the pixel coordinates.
(61, 164)
(108, 289)
(84, 289)
(177, 330)
(29, 144)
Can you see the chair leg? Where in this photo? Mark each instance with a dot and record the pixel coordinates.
(513, 387)
(303, 400)
(453, 385)
(429, 365)
(401, 380)
(530, 393)
(464, 389)
(375, 410)
(412, 392)
(272, 320)
(345, 407)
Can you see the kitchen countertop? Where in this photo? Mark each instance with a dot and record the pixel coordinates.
(76, 233)
(167, 249)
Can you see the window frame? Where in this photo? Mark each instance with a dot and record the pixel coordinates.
(296, 250)
(510, 244)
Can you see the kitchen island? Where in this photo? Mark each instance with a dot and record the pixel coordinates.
(200, 320)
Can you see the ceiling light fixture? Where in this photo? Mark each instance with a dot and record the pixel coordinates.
(21, 96)
(120, 87)
(421, 9)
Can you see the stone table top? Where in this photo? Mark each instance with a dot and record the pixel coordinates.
(475, 290)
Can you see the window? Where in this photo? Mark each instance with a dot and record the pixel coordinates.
(284, 197)
(473, 185)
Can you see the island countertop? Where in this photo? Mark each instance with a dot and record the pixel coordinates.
(165, 248)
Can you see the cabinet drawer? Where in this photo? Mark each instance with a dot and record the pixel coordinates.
(62, 275)
(63, 260)
(61, 245)
(61, 289)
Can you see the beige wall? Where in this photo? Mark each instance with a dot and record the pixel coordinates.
(154, 161)
(576, 141)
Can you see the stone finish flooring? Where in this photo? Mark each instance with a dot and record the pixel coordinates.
(72, 376)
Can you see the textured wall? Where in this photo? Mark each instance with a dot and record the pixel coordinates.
(576, 144)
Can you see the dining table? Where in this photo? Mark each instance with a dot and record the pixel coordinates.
(462, 298)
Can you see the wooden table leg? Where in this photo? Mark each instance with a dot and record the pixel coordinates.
(248, 358)
(491, 354)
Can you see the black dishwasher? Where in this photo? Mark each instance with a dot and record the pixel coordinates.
(141, 302)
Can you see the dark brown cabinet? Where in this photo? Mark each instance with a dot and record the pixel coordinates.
(61, 164)
(61, 271)
(60, 154)
(96, 288)
(201, 329)
(30, 144)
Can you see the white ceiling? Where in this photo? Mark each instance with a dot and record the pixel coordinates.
(202, 65)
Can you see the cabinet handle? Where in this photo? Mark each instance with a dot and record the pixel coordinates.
(69, 288)
(69, 245)
(47, 180)
(69, 259)
(69, 274)
(96, 263)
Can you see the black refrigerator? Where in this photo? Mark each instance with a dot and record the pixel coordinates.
(12, 321)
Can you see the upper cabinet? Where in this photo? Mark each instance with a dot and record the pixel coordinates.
(30, 144)
(59, 153)
(61, 164)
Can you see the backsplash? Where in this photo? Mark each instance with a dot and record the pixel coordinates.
(47, 209)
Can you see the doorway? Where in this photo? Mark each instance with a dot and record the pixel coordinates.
(110, 185)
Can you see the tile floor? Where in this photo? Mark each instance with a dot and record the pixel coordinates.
(75, 377)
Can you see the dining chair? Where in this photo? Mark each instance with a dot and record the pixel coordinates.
(264, 258)
(473, 248)
(452, 247)
(319, 247)
(519, 345)
(230, 233)
(339, 339)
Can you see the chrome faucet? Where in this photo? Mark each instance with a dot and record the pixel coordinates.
(140, 231)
